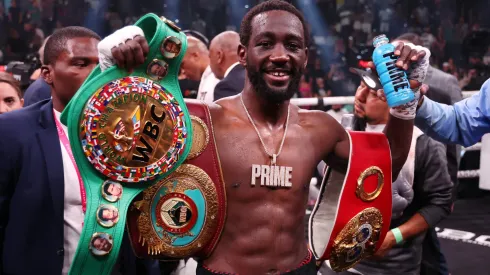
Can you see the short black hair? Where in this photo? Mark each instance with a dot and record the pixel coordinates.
(410, 37)
(56, 43)
(271, 5)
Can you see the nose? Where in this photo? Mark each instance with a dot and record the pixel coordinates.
(279, 55)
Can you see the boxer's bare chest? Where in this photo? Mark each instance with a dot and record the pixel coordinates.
(246, 164)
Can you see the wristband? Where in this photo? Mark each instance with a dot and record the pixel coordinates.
(397, 234)
(127, 132)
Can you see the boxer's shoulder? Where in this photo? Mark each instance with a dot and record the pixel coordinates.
(321, 128)
(318, 120)
(225, 109)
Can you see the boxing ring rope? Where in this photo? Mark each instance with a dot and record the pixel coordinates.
(343, 100)
(349, 100)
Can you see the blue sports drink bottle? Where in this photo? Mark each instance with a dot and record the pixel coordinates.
(393, 79)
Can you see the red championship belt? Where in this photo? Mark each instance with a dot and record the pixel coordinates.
(183, 215)
(353, 211)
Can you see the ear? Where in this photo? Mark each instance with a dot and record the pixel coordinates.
(22, 102)
(242, 55)
(47, 74)
(220, 56)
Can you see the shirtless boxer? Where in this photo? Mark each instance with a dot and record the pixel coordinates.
(265, 226)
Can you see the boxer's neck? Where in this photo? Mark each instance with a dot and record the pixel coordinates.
(264, 111)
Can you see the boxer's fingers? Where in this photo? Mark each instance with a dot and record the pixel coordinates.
(143, 44)
(424, 89)
(415, 55)
(118, 56)
(421, 54)
(414, 83)
(128, 57)
(403, 60)
(398, 48)
(138, 53)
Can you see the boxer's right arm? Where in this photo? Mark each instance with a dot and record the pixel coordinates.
(127, 48)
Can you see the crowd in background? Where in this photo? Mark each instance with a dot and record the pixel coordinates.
(455, 31)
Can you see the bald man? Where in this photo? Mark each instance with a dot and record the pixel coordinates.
(223, 58)
(195, 66)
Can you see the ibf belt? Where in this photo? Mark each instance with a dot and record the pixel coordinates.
(183, 214)
(127, 132)
(353, 211)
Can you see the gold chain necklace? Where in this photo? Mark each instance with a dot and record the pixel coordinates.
(272, 175)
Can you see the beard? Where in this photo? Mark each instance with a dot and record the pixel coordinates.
(272, 95)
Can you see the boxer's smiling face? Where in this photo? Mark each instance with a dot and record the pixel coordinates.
(276, 55)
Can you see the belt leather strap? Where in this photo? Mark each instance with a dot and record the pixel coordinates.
(353, 211)
(127, 132)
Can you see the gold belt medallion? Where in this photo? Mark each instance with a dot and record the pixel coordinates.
(179, 213)
(356, 240)
(133, 129)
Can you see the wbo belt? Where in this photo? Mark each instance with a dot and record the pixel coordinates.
(183, 215)
(127, 131)
(353, 211)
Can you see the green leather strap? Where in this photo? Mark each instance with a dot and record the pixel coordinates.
(156, 31)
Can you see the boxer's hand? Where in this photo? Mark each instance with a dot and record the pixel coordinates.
(414, 60)
(386, 246)
(126, 47)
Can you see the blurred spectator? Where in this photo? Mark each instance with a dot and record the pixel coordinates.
(337, 112)
(486, 58)
(39, 90)
(427, 38)
(305, 89)
(384, 19)
(15, 16)
(33, 13)
(421, 14)
(3, 26)
(10, 93)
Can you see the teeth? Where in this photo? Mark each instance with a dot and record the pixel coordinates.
(278, 73)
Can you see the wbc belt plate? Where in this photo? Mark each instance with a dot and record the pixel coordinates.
(133, 129)
(183, 215)
(353, 211)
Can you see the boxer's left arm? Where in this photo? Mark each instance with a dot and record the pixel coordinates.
(400, 125)
(399, 134)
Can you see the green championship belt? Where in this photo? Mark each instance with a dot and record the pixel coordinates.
(127, 132)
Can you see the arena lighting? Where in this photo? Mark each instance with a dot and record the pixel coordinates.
(171, 10)
(238, 8)
(318, 27)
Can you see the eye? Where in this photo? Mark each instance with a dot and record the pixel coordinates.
(293, 46)
(81, 64)
(10, 100)
(265, 44)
